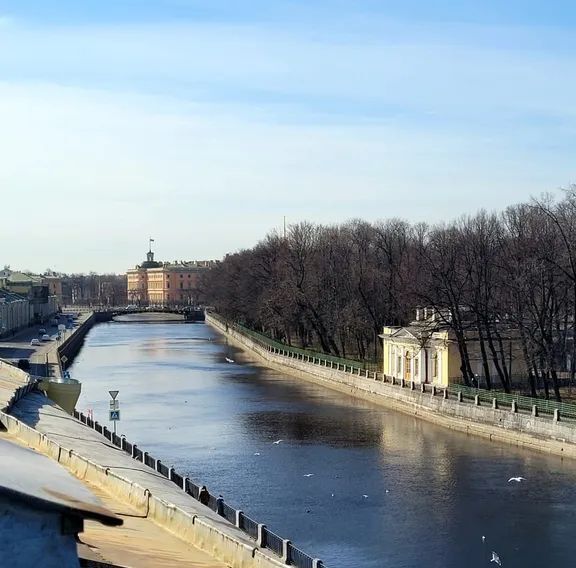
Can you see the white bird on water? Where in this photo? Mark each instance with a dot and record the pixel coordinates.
(277, 442)
(308, 474)
(228, 360)
(256, 453)
(517, 479)
(365, 496)
(483, 539)
(496, 558)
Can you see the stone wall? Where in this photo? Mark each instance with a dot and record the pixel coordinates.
(542, 433)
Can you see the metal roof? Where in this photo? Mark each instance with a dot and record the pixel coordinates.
(41, 483)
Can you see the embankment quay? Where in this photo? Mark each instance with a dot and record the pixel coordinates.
(143, 497)
(386, 489)
(536, 424)
(349, 481)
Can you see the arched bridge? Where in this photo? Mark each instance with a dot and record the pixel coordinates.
(191, 314)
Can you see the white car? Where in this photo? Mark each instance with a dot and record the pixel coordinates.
(46, 337)
(35, 342)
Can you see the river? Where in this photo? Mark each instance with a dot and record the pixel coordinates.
(387, 490)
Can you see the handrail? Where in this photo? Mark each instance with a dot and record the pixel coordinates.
(264, 340)
(523, 402)
(293, 556)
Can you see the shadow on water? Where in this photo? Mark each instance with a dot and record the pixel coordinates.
(303, 428)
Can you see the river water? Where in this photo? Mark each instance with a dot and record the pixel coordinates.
(387, 490)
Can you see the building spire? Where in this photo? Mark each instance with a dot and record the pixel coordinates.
(150, 255)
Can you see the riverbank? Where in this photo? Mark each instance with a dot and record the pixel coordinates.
(508, 425)
(134, 479)
(40, 424)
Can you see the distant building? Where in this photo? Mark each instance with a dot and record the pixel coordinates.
(166, 283)
(35, 288)
(15, 312)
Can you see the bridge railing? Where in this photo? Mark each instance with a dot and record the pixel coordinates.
(265, 538)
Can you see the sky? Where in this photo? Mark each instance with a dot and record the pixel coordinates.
(203, 123)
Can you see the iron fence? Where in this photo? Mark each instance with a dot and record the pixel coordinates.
(527, 403)
(273, 542)
(249, 526)
(229, 513)
(297, 557)
(270, 540)
(297, 352)
(523, 402)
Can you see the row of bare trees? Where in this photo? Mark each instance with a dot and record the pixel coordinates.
(94, 289)
(494, 279)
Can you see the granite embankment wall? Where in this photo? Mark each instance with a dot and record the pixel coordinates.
(220, 542)
(547, 434)
(72, 344)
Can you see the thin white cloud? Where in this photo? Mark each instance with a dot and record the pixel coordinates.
(250, 124)
(104, 170)
(418, 72)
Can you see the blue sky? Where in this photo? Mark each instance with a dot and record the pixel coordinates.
(203, 123)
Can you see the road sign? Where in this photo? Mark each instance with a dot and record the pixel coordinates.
(113, 394)
(114, 415)
(114, 405)
(63, 358)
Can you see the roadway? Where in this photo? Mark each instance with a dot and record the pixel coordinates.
(19, 347)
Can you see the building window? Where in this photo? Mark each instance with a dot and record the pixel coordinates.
(416, 367)
(168, 285)
(181, 275)
(407, 365)
(398, 365)
(188, 275)
(435, 365)
(181, 285)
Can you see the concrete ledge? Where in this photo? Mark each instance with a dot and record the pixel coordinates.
(215, 537)
(519, 429)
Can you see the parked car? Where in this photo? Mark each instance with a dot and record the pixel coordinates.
(41, 331)
(35, 341)
(45, 337)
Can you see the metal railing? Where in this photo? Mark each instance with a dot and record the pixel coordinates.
(527, 403)
(295, 352)
(522, 402)
(265, 538)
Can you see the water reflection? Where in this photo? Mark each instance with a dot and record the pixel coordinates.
(431, 494)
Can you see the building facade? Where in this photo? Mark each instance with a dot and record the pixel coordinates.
(154, 283)
(15, 313)
(32, 288)
(426, 351)
(415, 353)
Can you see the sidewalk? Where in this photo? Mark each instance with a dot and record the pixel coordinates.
(139, 542)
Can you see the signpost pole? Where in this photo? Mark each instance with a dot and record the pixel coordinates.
(114, 413)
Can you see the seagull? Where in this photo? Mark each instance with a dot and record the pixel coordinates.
(256, 453)
(277, 442)
(483, 539)
(228, 360)
(332, 495)
(365, 496)
(496, 558)
(387, 490)
(308, 474)
(517, 479)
